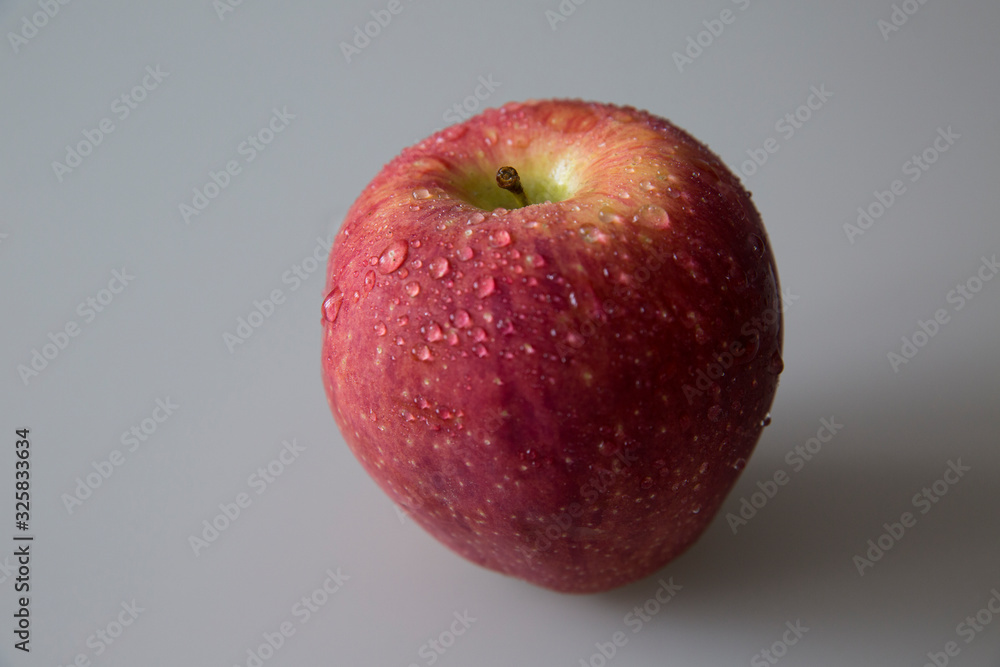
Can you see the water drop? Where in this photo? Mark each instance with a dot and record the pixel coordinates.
(574, 339)
(673, 193)
(452, 338)
(369, 281)
(592, 234)
(400, 341)
(766, 421)
(653, 216)
(331, 305)
(647, 185)
(646, 482)
(462, 319)
(476, 218)
(485, 287)
(439, 267)
(393, 256)
(739, 464)
(413, 288)
(379, 329)
(424, 353)
(607, 215)
(421, 193)
(455, 132)
(403, 320)
(757, 245)
(434, 332)
(776, 365)
(500, 239)
(480, 350)
(479, 334)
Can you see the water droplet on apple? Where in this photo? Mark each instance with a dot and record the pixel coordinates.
(439, 267)
(462, 319)
(714, 413)
(331, 305)
(455, 132)
(393, 256)
(776, 365)
(379, 329)
(766, 421)
(400, 341)
(647, 185)
(369, 281)
(476, 218)
(424, 353)
(465, 254)
(653, 216)
(739, 464)
(695, 509)
(403, 320)
(434, 332)
(489, 136)
(574, 339)
(479, 335)
(408, 416)
(607, 215)
(480, 350)
(421, 193)
(673, 193)
(413, 288)
(500, 238)
(592, 234)
(485, 287)
(646, 482)
(757, 245)
(452, 338)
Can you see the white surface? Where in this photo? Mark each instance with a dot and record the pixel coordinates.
(163, 335)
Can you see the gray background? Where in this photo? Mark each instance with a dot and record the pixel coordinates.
(163, 335)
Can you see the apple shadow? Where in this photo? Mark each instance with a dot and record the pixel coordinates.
(796, 555)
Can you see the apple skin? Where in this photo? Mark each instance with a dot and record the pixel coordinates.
(539, 387)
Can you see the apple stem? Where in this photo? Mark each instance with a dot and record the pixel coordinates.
(508, 179)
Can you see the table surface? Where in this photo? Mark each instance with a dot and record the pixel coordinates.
(151, 404)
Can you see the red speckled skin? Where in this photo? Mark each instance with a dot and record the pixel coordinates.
(559, 423)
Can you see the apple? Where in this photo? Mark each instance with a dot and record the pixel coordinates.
(552, 333)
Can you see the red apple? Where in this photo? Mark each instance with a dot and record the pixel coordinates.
(559, 381)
